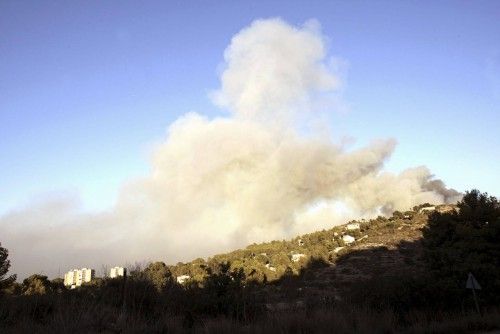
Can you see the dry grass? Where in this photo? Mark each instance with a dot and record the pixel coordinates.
(102, 319)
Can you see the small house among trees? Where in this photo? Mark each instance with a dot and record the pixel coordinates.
(427, 209)
(183, 279)
(297, 257)
(352, 227)
(348, 239)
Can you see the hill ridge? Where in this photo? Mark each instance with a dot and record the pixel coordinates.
(270, 261)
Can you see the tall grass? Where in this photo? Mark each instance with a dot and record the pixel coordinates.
(74, 313)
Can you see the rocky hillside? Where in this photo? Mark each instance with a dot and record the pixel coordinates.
(328, 262)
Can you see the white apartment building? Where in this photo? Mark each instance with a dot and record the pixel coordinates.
(70, 278)
(117, 272)
(77, 277)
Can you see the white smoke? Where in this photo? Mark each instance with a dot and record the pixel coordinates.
(218, 184)
(273, 70)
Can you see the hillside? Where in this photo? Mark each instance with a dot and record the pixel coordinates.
(322, 263)
(404, 273)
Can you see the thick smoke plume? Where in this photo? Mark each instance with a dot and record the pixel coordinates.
(218, 184)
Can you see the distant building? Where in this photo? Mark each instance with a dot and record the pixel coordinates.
(117, 272)
(338, 249)
(270, 267)
(446, 208)
(77, 277)
(297, 257)
(70, 278)
(352, 227)
(301, 242)
(348, 239)
(182, 279)
(427, 209)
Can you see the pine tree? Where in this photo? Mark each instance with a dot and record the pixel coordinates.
(4, 268)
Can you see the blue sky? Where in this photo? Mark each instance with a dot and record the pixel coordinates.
(86, 88)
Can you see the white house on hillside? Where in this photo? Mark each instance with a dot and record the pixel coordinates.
(352, 227)
(348, 239)
(427, 209)
(270, 267)
(297, 257)
(338, 249)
